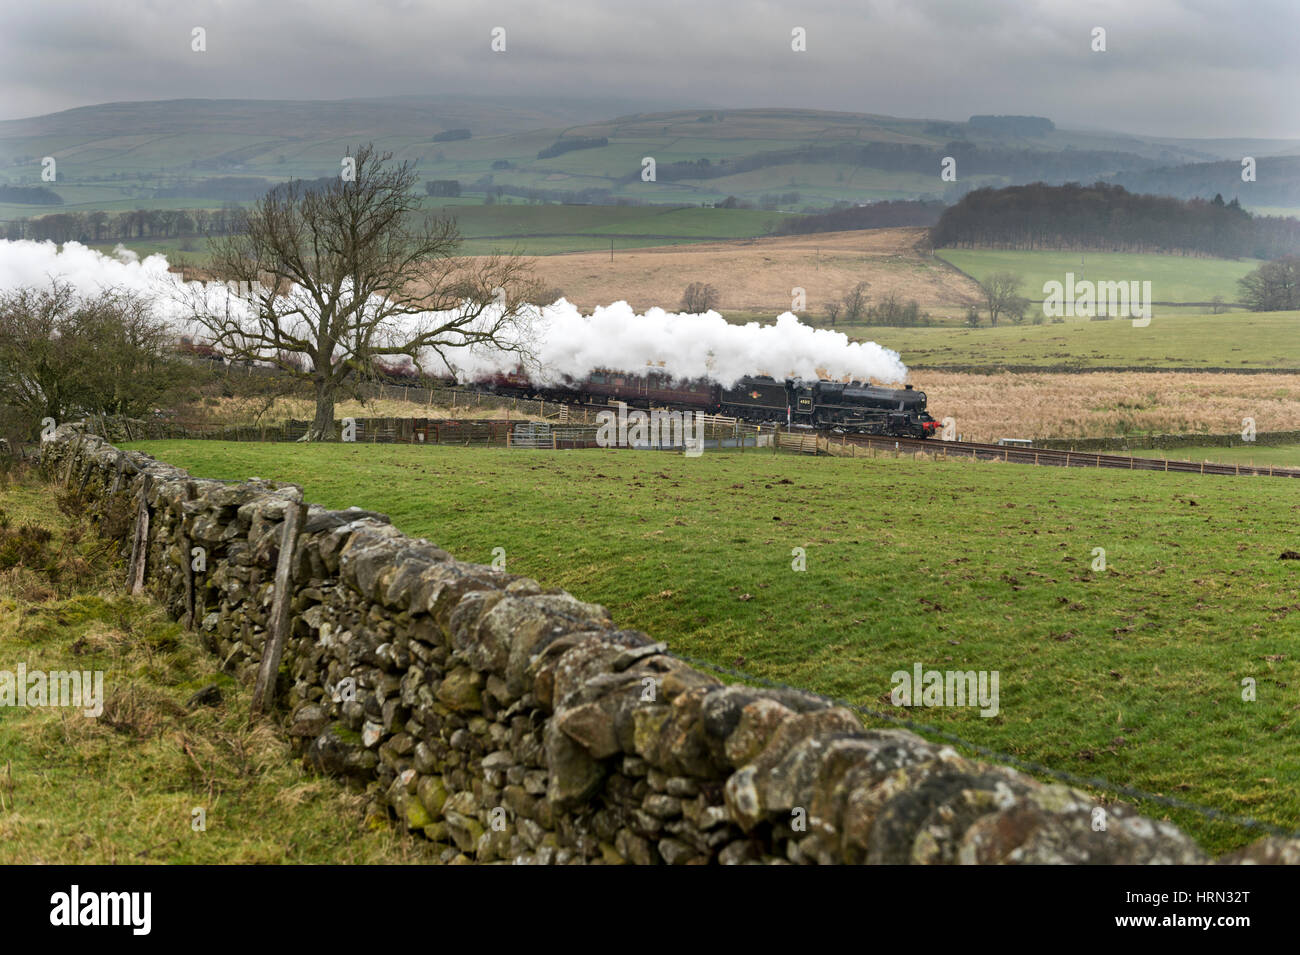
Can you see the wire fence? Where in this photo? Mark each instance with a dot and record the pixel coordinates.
(566, 431)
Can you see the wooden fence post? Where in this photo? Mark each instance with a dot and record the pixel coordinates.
(72, 459)
(187, 562)
(140, 545)
(281, 604)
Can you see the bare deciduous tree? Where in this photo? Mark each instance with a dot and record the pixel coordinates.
(1001, 294)
(855, 302)
(832, 311)
(343, 275)
(699, 298)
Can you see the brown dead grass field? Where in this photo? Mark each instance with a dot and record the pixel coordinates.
(240, 411)
(756, 275)
(1109, 404)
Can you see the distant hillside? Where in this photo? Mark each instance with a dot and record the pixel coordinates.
(120, 156)
(1277, 181)
(311, 119)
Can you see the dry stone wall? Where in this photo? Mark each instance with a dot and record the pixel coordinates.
(512, 723)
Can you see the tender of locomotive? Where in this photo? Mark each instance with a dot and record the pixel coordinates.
(847, 406)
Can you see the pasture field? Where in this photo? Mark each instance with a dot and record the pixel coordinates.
(1264, 455)
(115, 790)
(1173, 278)
(528, 228)
(1237, 340)
(1132, 673)
(83, 199)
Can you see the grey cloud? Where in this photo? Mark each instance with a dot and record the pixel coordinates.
(1173, 67)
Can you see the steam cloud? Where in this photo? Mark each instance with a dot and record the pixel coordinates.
(564, 341)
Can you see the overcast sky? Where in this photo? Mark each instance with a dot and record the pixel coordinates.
(1196, 68)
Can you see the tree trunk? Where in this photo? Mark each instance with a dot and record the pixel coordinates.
(322, 426)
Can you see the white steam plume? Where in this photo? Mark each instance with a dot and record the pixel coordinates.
(564, 341)
(693, 346)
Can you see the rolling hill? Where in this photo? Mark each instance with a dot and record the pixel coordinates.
(119, 155)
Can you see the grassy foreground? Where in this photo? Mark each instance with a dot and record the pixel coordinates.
(1133, 673)
(123, 787)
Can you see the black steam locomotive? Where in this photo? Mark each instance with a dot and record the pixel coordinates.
(848, 406)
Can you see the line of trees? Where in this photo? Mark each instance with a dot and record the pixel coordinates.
(1107, 217)
(102, 226)
(856, 307)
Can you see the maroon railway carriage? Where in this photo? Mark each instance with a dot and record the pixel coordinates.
(652, 389)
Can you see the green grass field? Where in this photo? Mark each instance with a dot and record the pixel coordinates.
(1262, 455)
(1236, 340)
(541, 228)
(1173, 278)
(121, 788)
(1132, 674)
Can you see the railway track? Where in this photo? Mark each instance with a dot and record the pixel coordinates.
(1041, 456)
(1055, 458)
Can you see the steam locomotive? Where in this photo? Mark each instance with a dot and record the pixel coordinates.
(848, 406)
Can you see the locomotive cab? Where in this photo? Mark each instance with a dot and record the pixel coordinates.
(802, 401)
